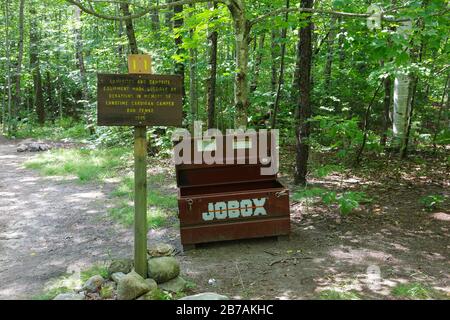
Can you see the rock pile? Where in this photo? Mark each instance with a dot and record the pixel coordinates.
(33, 146)
(124, 283)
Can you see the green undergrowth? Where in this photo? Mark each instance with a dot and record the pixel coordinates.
(416, 291)
(330, 294)
(61, 129)
(346, 201)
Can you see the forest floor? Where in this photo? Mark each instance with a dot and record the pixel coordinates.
(51, 226)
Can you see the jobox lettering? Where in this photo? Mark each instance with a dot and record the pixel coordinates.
(235, 209)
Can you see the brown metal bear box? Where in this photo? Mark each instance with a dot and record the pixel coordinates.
(229, 197)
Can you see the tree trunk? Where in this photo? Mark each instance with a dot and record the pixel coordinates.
(168, 16)
(386, 109)
(80, 62)
(401, 99)
(17, 96)
(281, 76)
(330, 53)
(154, 14)
(296, 78)
(274, 53)
(180, 67)
(257, 67)
(49, 93)
(304, 109)
(36, 68)
(193, 95)
(7, 123)
(242, 29)
(211, 82)
(129, 29)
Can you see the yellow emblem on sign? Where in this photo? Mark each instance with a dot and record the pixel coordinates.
(139, 63)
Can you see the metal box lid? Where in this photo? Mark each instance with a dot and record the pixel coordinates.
(211, 162)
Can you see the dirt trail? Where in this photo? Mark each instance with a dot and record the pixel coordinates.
(49, 227)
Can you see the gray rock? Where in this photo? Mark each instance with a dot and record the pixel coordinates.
(121, 265)
(161, 250)
(93, 284)
(151, 295)
(163, 269)
(22, 148)
(69, 296)
(132, 286)
(43, 147)
(117, 276)
(152, 283)
(33, 147)
(175, 285)
(206, 296)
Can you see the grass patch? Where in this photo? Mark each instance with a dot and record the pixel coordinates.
(161, 205)
(124, 213)
(63, 284)
(85, 164)
(97, 269)
(414, 291)
(330, 294)
(67, 283)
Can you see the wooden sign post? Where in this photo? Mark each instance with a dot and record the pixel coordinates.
(139, 64)
(139, 99)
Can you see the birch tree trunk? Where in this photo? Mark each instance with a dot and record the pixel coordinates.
(80, 62)
(401, 98)
(304, 109)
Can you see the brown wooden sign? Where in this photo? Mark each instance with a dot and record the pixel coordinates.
(139, 100)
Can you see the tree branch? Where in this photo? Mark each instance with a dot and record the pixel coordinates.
(139, 14)
(308, 10)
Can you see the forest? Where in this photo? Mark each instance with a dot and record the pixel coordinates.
(359, 91)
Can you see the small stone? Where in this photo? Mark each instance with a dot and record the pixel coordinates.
(69, 296)
(163, 269)
(161, 250)
(206, 296)
(175, 285)
(93, 284)
(121, 265)
(117, 276)
(132, 286)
